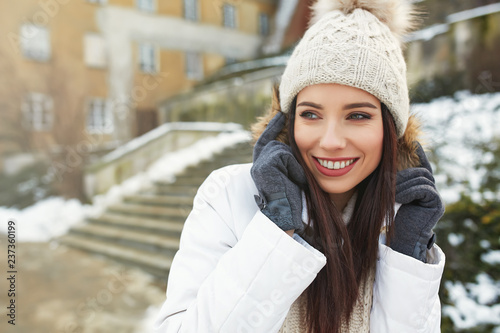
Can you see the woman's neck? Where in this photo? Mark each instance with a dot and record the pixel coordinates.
(341, 199)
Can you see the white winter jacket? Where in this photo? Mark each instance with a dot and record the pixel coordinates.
(236, 271)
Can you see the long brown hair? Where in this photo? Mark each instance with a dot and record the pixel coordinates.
(351, 250)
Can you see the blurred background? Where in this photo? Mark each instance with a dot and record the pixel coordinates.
(114, 111)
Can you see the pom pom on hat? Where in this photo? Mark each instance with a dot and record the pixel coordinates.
(399, 16)
(356, 43)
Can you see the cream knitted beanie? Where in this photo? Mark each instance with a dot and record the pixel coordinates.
(355, 43)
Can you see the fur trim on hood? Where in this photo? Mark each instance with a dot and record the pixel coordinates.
(407, 156)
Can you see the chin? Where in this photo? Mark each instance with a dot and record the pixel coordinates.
(332, 188)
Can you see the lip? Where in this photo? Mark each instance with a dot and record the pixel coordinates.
(334, 173)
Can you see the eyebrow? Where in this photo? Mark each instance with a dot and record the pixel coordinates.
(346, 107)
(311, 104)
(359, 105)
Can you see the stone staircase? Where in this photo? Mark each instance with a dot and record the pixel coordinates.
(144, 229)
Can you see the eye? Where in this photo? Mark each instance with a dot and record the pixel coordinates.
(308, 115)
(359, 116)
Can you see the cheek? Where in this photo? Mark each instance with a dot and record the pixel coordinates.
(300, 137)
(373, 144)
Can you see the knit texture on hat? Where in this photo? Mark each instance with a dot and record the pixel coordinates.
(354, 49)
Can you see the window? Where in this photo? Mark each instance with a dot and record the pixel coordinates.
(37, 112)
(146, 5)
(191, 10)
(35, 42)
(148, 58)
(229, 12)
(94, 50)
(194, 66)
(99, 117)
(263, 24)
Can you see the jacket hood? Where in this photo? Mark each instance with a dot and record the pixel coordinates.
(406, 154)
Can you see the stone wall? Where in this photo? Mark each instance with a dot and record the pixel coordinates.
(140, 153)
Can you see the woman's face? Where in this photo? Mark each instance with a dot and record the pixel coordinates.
(339, 132)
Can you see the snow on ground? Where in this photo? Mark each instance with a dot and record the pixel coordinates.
(54, 216)
(44, 220)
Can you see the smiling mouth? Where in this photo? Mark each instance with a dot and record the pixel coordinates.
(337, 164)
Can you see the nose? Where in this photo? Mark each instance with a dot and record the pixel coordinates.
(333, 137)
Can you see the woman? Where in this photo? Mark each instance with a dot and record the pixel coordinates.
(330, 229)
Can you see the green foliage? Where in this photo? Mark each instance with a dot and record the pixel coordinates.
(491, 179)
(445, 85)
(477, 224)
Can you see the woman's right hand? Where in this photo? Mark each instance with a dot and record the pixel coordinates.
(279, 178)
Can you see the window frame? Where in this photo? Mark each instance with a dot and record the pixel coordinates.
(155, 66)
(234, 22)
(30, 46)
(194, 68)
(87, 58)
(151, 9)
(38, 112)
(103, 114)
(196, 10)
(264, 29)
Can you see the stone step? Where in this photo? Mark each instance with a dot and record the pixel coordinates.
(167, 213)
(159, 200)
(158, 226)
(172, 189)
(154, 263)
(144, 241)
(144, 229)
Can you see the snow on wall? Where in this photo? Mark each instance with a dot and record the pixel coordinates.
(161, 130)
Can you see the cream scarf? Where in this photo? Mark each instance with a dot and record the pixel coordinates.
(295, 321)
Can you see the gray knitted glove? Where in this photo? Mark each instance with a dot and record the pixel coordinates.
(421, 209)
(278, 177)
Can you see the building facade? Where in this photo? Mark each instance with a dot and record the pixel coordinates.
(81, 76)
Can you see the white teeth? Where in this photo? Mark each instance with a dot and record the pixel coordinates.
(335, 165)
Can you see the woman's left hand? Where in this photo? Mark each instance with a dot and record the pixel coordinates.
(421, 209)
